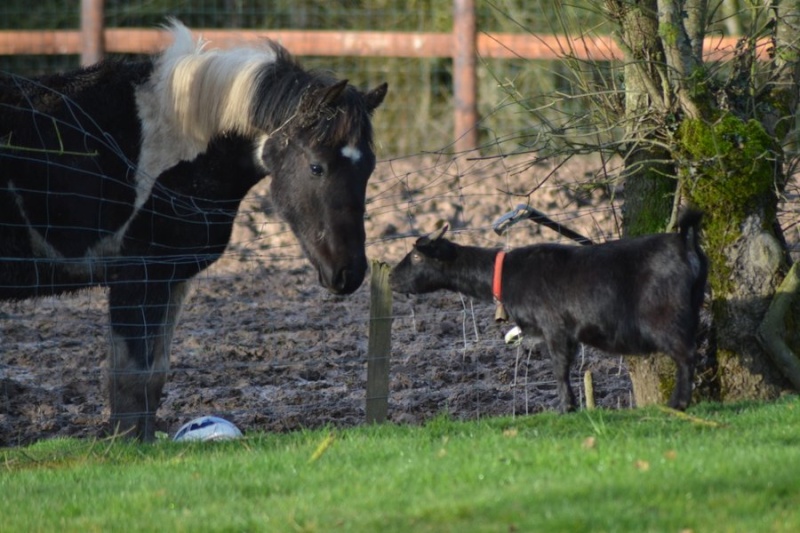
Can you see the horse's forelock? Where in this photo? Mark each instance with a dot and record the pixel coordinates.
(279, 105)
(347, 123)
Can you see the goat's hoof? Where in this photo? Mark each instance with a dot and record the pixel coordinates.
(678, 405)
(564, 409)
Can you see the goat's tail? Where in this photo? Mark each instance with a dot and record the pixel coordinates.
(689, 225)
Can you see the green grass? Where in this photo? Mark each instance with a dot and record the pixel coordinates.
(725, 468)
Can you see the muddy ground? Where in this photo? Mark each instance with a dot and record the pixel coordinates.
(261, 344)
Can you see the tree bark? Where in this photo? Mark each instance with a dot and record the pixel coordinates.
(727, 150)
(772, 332)
(757, 263)
(735, 178)
(649, 174)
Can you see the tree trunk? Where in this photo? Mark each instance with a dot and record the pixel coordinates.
(729, 157)
(649, 174)
(757, 266)
(735, 168)
(649, 171)
(735, 165)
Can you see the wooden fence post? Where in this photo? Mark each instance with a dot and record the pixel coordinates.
(92, 29)
(465, 78)
(379, 347)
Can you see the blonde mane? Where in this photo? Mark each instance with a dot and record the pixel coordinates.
(207, 91)
(193, 94)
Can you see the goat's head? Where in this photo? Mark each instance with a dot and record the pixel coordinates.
(424, 268)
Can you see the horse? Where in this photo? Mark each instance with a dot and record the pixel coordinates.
(128, 175)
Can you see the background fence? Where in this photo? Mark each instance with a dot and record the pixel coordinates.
(259, 342)
(445, 62)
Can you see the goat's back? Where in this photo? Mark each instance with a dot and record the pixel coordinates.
(626, 296)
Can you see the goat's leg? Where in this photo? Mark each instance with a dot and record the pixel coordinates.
(143, 317)
(562, 352)
(684, 376)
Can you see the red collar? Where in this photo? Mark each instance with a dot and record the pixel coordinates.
(497, 278)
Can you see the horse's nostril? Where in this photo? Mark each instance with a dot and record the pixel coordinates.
(340, 281)
(346, 280)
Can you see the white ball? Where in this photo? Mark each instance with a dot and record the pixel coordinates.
(207, 428)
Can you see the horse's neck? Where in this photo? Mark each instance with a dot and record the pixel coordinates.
(163, 143)
(169, 135)
(191, 97)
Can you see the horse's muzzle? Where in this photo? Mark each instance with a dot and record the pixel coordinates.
(344, 280)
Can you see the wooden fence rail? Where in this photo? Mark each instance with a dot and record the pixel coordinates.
(343, 43)
(464, 44)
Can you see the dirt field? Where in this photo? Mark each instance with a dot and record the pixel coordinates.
(261, 344)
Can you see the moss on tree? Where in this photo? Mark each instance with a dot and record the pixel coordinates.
(729, 171)
(649, 197)
(669, 33)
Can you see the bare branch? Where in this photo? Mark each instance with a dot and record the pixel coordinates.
(787, 56)
(696, 20)
(681, 61)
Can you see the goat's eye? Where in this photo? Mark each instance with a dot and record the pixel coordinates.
(316, 169)
(416, 257)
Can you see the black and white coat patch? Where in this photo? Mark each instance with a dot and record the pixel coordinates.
(129, 175)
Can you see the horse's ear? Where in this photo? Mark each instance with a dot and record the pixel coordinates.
(375, 97)
(329, 95)
(315, 100)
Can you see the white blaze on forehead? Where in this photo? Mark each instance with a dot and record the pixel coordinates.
(352, 153)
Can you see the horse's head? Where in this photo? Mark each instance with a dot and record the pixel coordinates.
(320, 157)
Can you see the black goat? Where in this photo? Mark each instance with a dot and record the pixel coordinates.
(632, 296)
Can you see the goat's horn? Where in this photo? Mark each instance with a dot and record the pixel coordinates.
(441, 228)
(436, 234)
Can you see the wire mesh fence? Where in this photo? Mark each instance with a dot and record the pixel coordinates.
(260, 343)
(258, 340)
(418, 115)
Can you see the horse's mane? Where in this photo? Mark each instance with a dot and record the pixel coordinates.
(246, 89)
(207, 91)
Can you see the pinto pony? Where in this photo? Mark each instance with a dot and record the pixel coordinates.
(129, 175)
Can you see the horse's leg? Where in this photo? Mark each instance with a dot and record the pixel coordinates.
(143, 318)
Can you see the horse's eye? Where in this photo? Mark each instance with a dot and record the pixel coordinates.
(316, 170)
